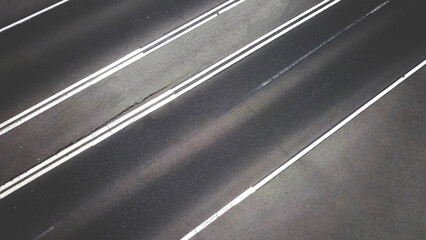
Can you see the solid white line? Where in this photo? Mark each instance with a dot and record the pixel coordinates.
(231, 6)
(271, 176)
(33, 15)
(154, 104)
(109, 70)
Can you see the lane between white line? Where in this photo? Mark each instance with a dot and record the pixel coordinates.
(283, 167)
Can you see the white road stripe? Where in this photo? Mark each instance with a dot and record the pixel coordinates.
(159, 101)
(271, 176)
(112, 68)
(231, 6)
(32, 15)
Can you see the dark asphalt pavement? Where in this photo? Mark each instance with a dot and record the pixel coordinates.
(165, 174)
(13, 11)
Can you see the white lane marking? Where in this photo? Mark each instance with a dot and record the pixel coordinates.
(231, 6)
(32, 15)
(271, 176)
(110, 69)
(152, 105)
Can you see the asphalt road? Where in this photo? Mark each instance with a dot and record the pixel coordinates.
(165, 174)
(365, 182)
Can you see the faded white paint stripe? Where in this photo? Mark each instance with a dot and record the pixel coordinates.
(33, 15)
